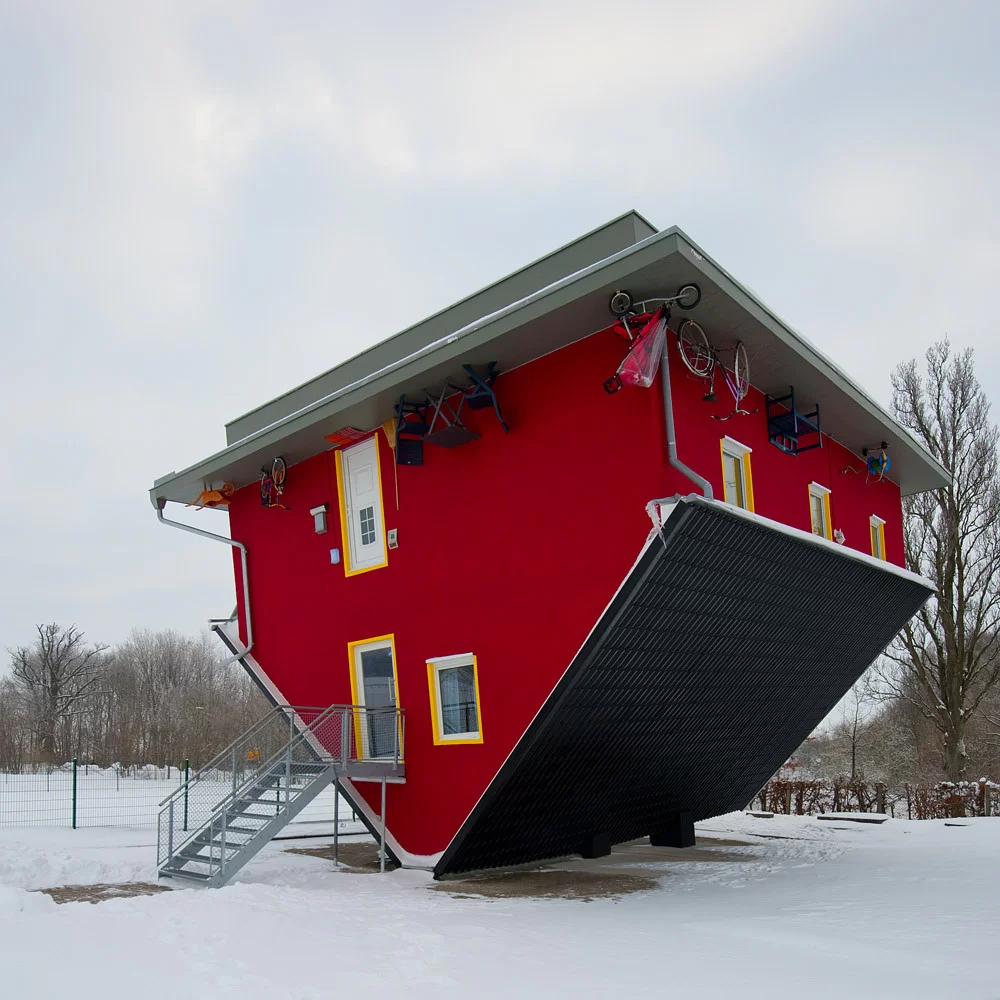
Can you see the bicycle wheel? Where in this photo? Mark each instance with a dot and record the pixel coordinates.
(741, 372)
(266, 488)
(620, 303)
(695, 351)
(278, 471)
(688, 296)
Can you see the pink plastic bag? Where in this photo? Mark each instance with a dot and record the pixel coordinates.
(640, 365)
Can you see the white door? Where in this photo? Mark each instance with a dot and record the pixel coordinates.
(365, 533)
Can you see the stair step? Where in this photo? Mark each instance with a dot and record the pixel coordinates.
(206, 859)
(167, 872)
(197, 845)
(249, 815)
(242, 829)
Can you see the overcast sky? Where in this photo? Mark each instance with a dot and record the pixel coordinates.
(205, 204)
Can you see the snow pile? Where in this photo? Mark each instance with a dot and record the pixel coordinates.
(46, 856)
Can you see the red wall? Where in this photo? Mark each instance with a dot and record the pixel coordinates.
(509, 547)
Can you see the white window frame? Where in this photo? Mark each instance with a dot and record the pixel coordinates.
(732, 448)
(435, 666)
(878, 524)
(355, 562)
(355, 652)
(821, 493)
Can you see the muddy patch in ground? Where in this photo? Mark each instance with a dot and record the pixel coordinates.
(101, 892)
(548, 883)
(353, 858)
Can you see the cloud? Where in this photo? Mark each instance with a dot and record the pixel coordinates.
(207, 203)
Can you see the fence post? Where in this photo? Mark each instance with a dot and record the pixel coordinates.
(74, 793)
(187, 774)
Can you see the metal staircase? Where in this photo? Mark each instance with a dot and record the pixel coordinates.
(214, 823)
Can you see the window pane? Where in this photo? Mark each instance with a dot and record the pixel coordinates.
(818, 515)
(876, 541)
(732, 467)
(367, 525)
(459, 712)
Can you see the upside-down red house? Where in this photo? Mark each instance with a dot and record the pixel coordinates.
(607, 538)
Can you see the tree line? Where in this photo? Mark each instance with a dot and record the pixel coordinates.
(157, 698)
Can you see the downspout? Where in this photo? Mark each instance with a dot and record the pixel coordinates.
(668, 413)
(160, 504)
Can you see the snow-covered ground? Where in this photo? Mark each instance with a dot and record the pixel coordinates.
(807, 908)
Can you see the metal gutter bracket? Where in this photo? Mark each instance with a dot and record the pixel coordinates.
(161, 502)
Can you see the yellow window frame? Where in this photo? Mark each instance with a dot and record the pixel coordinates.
(354, 665)
(821, 492)
(877, 529)
(734, 449)
(345, 533)
(437, 727)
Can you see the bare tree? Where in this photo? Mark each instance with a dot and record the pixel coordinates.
(54, 675)
(856, 710)
(14, 741)
(946, 658)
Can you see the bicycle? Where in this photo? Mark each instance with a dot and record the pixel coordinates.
(623, 306)
(646, 341)
(272, 482)
(702, 360)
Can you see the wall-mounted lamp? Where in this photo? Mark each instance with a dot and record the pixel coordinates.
(319, 518)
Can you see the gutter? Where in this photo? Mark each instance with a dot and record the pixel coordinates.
(160, 504)
(668, 415)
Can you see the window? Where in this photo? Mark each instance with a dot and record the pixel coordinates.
(373, 686)
(878, 536)
(819, 511)
(367, 526)
(359, 486)
(737, 481)
(454, 691)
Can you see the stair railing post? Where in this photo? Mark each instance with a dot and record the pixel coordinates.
(381, 858)
(170, 830)
(345, 721)
(336, 821)
(74, 793)
(187, 776)
(234, 771)
(222, 853)
(288, 775)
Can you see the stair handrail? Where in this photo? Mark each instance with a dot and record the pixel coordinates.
(277, 710)
(300, 737)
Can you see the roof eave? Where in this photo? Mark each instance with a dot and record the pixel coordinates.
(548, 299)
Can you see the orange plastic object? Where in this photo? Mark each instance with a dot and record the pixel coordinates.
(346, 435)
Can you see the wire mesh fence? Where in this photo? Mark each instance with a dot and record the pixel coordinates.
(93, 796)
(75, 794)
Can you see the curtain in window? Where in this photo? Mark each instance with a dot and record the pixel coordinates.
(458, 700)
